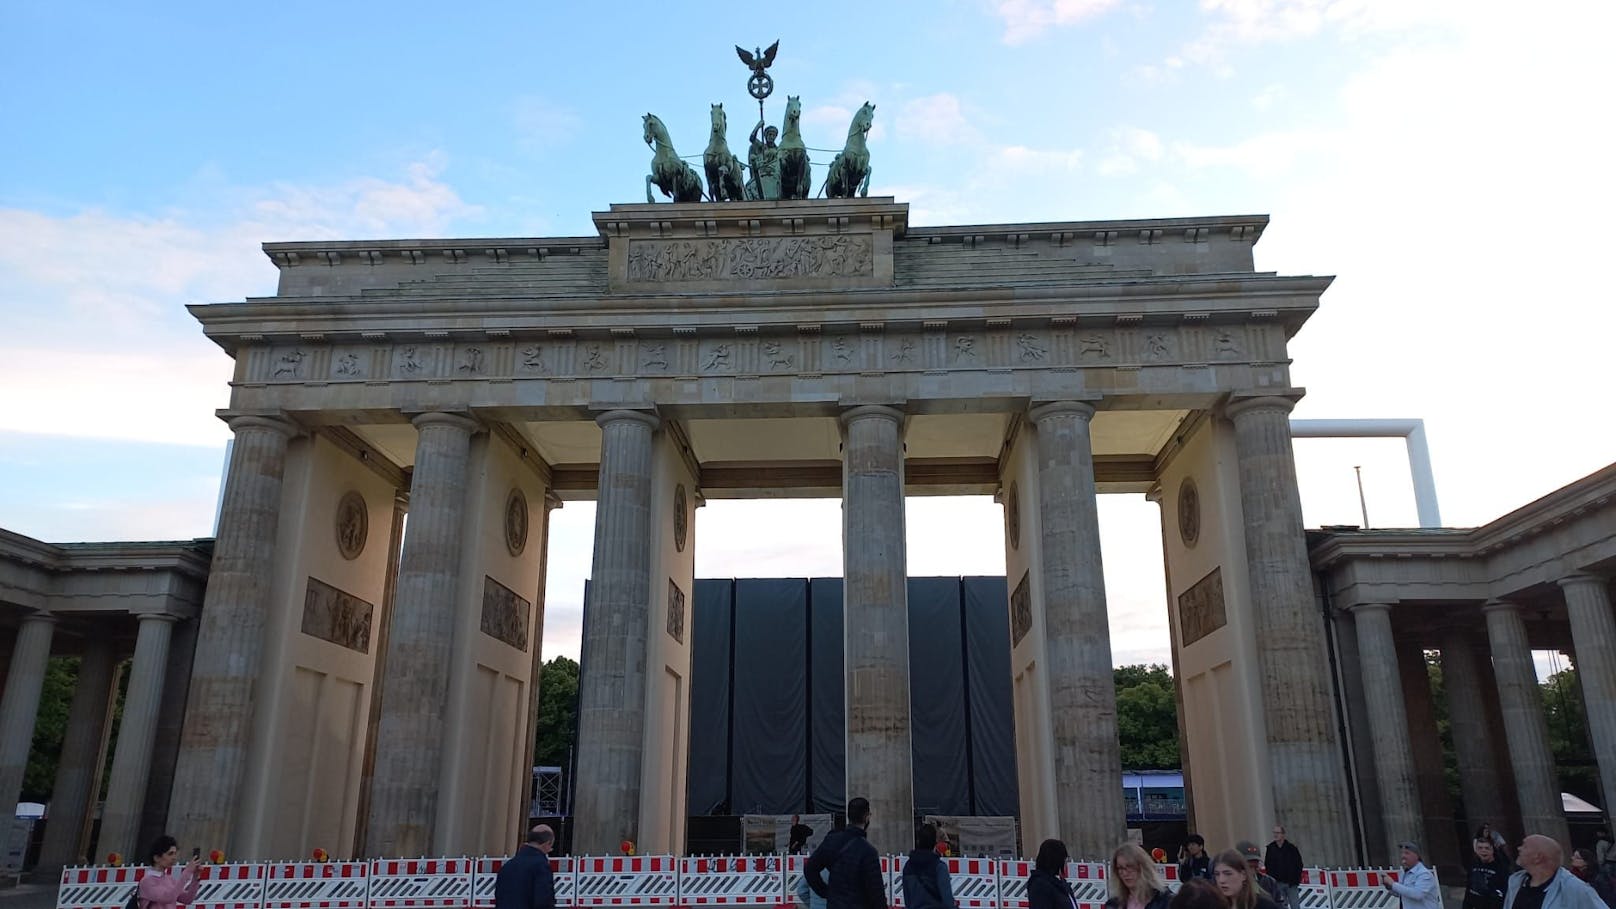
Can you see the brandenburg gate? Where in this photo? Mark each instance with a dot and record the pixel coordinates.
(373, 689)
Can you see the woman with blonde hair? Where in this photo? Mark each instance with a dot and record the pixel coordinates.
(1134, 881)
(1237, 881)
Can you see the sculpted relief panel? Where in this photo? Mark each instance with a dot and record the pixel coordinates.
(722, 351)
(776, 258)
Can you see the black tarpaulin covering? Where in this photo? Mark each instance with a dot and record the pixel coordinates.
(769, 762)
(937, 697)
(993, 727)
(828, 732)
(708, 785)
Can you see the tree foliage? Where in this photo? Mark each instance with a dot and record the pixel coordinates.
(1568, 735)
(1147, 717)
(558, 712)
(50, 728)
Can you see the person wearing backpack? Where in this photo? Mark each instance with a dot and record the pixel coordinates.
(161, 888)
(925, 874)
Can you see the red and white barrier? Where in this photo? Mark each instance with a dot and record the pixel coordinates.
(1362, 889)
(636, 880)
(98, 887)
(732, 880)
(975, 882)
(1013, 884)
(317, 885)
(1087, 880)
(1314, 890)
(420, 883)
(230, 887)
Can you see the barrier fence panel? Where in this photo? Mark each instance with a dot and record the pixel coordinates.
(1013, 884)
(892, 874)
(793, 874)
(421, 883)
(230, 887)
(1362, 889)
(317, 885)
(483, 878)
(636, 880)
(731, 880)
(975, 882)
(1087, 880)
(1314, 890)
(98, 887)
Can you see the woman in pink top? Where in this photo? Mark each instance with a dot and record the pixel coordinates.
(161, 888)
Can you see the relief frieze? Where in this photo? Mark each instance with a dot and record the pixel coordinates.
(336, 616)
(766, 258)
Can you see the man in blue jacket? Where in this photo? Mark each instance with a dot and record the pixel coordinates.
(855, 867)
(1544, 883)
(524, 881)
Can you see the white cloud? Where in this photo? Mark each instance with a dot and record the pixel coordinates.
(1027, 19)
(98, 343)
(1129, 146)
(543, 124)
(935, 118)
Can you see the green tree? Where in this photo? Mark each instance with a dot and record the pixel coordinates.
(50, 727)
(1147, 717)
(558, 712)
(1568, 735)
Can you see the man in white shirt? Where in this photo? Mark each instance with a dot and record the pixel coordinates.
(1418, 888)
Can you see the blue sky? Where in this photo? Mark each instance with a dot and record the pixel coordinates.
(1447, 160)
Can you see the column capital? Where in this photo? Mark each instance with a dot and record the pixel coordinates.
(648, 417)
(156, 617)
(1497, 605)
(241, 421)
(40, 617)
(442, 418)
(865, 411)
(1366, 608)
(1581, 579)
(1083, 409)
(1282, 399)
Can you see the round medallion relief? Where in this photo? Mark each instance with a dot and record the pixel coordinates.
(353, 525)
(1189, 513)
(1012, 517)
(516, 522)
(681, 517)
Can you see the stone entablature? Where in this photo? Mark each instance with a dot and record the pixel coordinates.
(1536, 545)
(164, 577)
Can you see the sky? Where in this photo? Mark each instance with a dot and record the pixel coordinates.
(1447, 161)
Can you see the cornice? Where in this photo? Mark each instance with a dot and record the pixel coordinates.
(190, 557)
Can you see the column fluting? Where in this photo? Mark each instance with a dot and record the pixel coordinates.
(1388, 723)
(212, 759)
(1077, 638)
(80, 767)
(1304, 754)
(19, 705)
(1526, 731)
(131, 761)
(880, 760)
(611, 686)
(1593, 635)
(420, 638)
(1479, 782)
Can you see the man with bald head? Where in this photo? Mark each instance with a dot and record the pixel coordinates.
(524, 881)
(1544, 883)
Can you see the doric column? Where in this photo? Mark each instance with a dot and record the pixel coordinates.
(79, 770)
(611, 686)
(875, 606)
(530, 739)
(415, 681)
(1472, 742)
(1593, 634)
(1525, 729)
(131, 761)
(230, 638)
(1077, 638)
(1388, 724)
(19, 705)
(1305, 761)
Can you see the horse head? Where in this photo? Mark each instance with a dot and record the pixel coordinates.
(793, 110)
(654, 129)
(862, 121)
(720, 121)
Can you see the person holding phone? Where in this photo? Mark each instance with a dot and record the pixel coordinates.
(161, 888)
